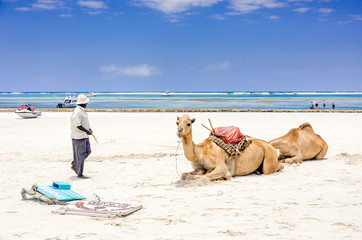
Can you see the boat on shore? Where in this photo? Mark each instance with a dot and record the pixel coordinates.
(69, 102)
(27, 111)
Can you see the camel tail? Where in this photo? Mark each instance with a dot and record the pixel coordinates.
(304, 125)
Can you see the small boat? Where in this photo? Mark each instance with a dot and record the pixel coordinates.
(26, 111)
(167, 93)
(69, 102)
(92, 94)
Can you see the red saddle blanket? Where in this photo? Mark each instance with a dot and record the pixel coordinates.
(229, 134)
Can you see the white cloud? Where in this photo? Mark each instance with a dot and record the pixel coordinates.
(66, 15)
(300, 0)
(325, 11)
(43, 5)
(92, 4)
(218, 66)
(274, 17)
(353, 18)
(301, 10)
(218, 16)
(356, 17)
(176, 6)
(246, 6)
(133, 71)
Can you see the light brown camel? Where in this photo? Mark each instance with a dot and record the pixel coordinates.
(300, 144)
(209, 160)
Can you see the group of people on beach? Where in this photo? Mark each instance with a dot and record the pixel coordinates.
(314, 105)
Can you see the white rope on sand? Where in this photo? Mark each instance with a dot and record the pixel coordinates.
(158, 185)
(179, 142)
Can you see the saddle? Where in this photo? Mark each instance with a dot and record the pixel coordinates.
(230, 139)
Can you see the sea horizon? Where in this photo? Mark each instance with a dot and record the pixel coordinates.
(343, 100)
(182, 92)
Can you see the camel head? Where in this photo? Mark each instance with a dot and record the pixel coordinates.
(184, 125)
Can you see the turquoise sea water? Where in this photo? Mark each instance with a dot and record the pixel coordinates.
(241, 100)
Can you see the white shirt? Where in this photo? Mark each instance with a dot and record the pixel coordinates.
(79, 118)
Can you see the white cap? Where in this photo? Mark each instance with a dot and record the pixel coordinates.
(82, 99)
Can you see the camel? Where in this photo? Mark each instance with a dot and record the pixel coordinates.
(300, 144)
(211, 161)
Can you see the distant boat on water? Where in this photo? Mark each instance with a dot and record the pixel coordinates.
(92, 94)
(167, 93)
(69, 102)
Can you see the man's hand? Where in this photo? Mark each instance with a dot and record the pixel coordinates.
(90, 132)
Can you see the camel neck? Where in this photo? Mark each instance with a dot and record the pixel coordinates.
(189, 147)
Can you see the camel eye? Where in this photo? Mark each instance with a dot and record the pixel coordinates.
(188, 124)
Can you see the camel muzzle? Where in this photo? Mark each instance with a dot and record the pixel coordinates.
(179, 133)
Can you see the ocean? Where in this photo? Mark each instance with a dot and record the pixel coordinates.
(193, 100)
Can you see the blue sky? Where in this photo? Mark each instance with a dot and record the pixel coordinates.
(181, 45)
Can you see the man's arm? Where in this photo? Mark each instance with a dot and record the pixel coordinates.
(89, 132)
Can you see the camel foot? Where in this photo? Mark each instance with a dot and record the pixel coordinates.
(288, 161)
(281, 166)
(185, 176)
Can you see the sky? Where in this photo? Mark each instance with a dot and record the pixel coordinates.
(180, 45)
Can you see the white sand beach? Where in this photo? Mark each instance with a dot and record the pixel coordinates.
(134, 162)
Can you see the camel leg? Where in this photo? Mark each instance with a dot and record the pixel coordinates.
(220, 172)
(193, 173)
(296, 159)
(271, 163)
(322, 153)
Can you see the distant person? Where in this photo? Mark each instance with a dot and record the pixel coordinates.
(316, 105)
(313, 105)
(27, 107)
(324, 104)
(80, 129)
(333, 106)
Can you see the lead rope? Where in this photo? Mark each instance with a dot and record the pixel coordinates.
(157, 185)
(179, 142)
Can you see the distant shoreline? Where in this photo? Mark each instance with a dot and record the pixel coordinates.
(140, 110)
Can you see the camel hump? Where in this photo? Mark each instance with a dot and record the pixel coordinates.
(304, 125)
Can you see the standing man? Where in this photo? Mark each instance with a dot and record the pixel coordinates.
(80, 129)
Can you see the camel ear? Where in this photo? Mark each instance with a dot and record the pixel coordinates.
(193, 120)
(178, 118)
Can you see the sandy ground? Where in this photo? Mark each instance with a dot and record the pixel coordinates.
(134, 162)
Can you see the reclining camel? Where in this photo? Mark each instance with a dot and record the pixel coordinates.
(210, 160)
(300, 144)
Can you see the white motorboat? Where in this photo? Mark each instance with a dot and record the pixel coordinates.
(25, 111)
(92, 94)
(69, 102)
(167, 93)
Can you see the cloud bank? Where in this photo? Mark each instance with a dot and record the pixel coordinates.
(92, 4)
(175, 9)
(40, 5)
(176, 6)
(144, 70)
